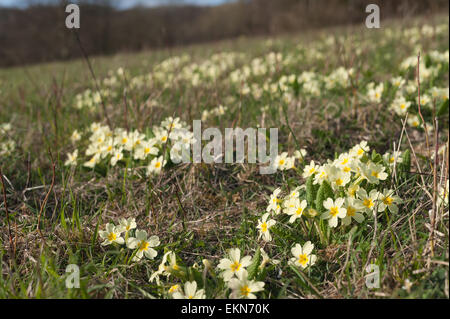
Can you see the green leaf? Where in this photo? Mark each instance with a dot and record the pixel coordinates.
(443, 109)
(376, 158)
(311, 191)
(406, 163)
(253, 268)
(325, 192)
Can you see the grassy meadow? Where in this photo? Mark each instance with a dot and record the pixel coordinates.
(90, 179)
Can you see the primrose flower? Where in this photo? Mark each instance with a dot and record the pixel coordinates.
(391, 158)
(137, 139)
(344, 162)
(374, 94)
(338, 178)
(242, 287)
(145, 149)
(93, 161)
(443, 194)
(125, 225)
(71, 159)
(190, 292)
(334, 211)
(296, 211)
(397, 82)
(143, 244)
(175, 288)
(5, 128)
(234, 264)
(400, 106)
(352, 212)
(264, 226)
(107, 148)
(171, 123)
(156, 165)
(294, 194)
(413, 120)
(164, 269)
(283, 162)
(322, 175)
(373, 172)
(117, 156)
(388, 199)
(302, 255)
(161, 136)
(359, 150)
(124, 140)
(425, 100)
(310, 169)
(171, 258)
(352, 189)
(300, 154)
(274, 202)
(366, 202)
(266, 259)
(111, 235)
(75, 137)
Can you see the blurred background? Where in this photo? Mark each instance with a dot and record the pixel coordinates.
(33, 31)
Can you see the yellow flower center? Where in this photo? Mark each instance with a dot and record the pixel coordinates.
(351, 211)
(352, 191)
(124, 140)
(112, 236)
(143, 245)
(388, 200)
(235, 266)
(264, 227)
(360, 151)
(147, 150)
(312, 170)
(345, 161)
(282, 162)
(339, 182)
(245, 290)
(375, 174)
(368, 203)
(174, 288)
(334, 211)
(299, 211)
(347, 169)
(303, 259)
(158, 164)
